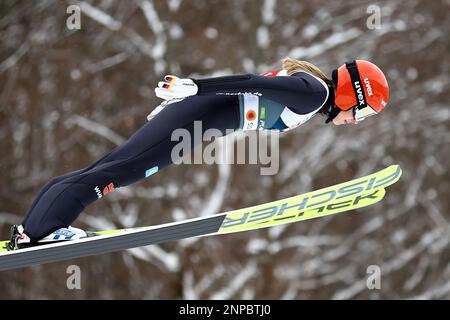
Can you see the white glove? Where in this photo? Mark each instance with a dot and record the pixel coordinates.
(174, 88)
(159, 108)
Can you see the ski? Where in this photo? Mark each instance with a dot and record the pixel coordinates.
(342, 197)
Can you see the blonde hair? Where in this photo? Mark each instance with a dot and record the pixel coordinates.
(292, 66)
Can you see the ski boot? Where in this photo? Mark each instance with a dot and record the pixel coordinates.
(20, 240)
(17, 236)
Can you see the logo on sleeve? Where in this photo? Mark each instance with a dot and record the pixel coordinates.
(106, 190)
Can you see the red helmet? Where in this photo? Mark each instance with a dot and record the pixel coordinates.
(360, 84)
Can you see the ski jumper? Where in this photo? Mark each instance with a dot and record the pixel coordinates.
(273, 101)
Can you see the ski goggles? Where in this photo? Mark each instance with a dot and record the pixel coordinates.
(362, 110)
(361, 113)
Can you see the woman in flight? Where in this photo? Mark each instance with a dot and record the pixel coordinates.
(290, 96)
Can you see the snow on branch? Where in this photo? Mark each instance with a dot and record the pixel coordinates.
(14, 58)
(152, 17)
(97, 128)
(237, 283)
(100, 16)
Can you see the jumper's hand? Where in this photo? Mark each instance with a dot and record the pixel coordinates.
(174, 88)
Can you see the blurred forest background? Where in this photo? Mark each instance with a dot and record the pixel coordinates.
(67, 97)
